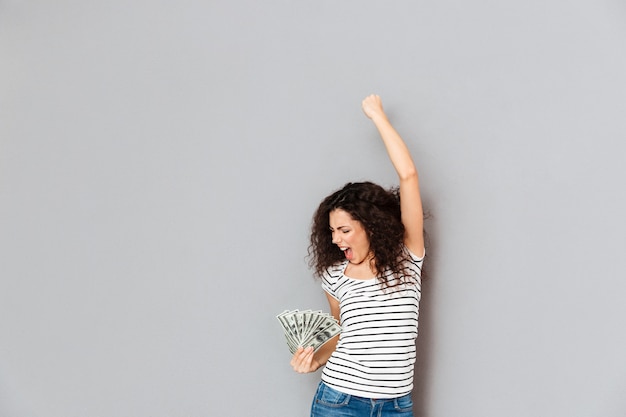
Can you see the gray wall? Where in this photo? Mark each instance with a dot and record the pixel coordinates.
(160, 162)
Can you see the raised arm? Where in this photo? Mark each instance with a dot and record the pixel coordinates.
(410, 199)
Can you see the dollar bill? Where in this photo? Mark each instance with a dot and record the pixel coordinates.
(307, 328)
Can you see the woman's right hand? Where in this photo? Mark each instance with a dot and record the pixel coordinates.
(303, 361)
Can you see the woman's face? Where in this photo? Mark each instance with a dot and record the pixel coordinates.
(350, 236)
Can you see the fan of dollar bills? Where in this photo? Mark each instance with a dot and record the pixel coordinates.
(308, 328)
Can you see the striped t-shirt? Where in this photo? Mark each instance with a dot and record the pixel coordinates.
(375, 354)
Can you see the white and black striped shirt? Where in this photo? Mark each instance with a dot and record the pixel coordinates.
(375, 354)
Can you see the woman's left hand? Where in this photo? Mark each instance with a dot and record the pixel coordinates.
(373, 106)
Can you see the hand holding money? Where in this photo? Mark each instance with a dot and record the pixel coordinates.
(303, 361)
(308, 329)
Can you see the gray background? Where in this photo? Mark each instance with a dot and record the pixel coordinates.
(160, 162)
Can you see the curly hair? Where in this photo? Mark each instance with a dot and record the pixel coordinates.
(378, 210)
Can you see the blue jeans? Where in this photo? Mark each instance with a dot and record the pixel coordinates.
(329, 402)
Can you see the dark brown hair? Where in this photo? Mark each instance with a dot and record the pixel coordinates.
(378, 210)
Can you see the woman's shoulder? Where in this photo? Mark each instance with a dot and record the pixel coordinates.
(413, 262)
(336, 270)
(331, 278)
(413, 256)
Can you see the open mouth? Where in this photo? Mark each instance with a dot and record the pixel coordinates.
(348, 253)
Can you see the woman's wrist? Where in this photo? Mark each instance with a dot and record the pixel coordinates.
(380, 118)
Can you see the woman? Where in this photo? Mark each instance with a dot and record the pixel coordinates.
(367, 245)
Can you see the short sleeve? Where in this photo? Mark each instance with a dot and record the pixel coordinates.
(415, 264)
(415, 257)
(329, 281)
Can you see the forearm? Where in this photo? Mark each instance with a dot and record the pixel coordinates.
(396, 148)
(324, 352)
